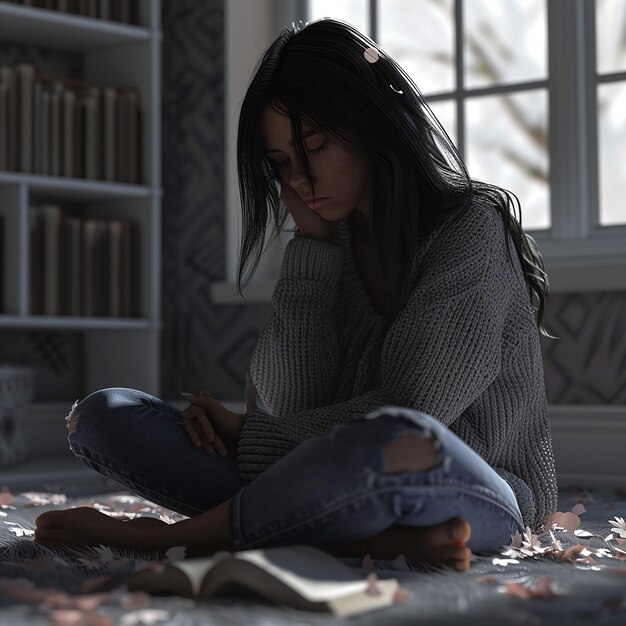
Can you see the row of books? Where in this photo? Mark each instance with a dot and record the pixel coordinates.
(68, 127)
(126, 11)
(83, 266)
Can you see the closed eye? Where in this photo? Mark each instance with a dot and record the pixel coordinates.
(316, 151)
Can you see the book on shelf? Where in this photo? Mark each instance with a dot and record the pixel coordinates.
(53, 244)
(60, 126)
(109, 139)
(35, 246)
(299, 576)
(68, 166)
(54, 121)
(92, 136)
(74, 259)
(9, 136)
(25, 78)
(83, 266)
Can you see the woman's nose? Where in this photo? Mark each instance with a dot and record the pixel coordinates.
(297, 176)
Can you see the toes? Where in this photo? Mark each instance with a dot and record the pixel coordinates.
(458, 558)
(461, 566)
(455, 554)
(459, 530)
(47, 520)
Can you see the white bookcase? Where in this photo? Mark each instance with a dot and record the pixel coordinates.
(118, 351)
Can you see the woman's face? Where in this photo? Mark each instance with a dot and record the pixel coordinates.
(340, 177)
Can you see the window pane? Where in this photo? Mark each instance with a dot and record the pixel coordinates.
(611, 35)
(420, 37)
(507, 145)
(504, 41)
(356, 12)
(612, 148)
(445, 112)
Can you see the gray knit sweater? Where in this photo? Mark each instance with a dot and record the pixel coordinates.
(465, 349)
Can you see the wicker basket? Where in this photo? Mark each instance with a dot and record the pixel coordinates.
(16, 392)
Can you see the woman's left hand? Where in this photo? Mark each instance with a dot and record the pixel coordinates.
(227, 424)
(86, 526)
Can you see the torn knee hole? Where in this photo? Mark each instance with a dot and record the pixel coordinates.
(70, 419)
(411, 452)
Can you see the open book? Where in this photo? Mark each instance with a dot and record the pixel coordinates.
(298, 576)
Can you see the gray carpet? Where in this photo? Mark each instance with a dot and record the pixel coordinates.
(559, 577)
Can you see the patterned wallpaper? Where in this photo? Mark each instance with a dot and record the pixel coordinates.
(204, 346)
(587, 364)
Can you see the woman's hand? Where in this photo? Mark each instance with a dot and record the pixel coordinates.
(309, 222)
(211, 424)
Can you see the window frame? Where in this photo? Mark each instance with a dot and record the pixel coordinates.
(579, 254)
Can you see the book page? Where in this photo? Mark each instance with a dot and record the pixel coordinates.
(312, 573)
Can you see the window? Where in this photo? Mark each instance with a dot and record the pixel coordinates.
(482, 66)
(533, 93)
(610, 35)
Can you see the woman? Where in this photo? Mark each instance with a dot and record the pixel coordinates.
(395, 400)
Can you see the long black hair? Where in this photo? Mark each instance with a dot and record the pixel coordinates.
(317, 72)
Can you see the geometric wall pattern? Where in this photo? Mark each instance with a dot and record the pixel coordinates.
(204, 345)
(587, 364)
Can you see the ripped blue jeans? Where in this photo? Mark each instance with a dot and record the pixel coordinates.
(331, 489)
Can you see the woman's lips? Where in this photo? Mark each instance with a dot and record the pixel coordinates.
(316, 204)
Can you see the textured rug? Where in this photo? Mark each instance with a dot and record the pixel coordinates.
(573, 572)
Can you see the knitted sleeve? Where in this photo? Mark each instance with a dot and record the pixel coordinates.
(441, 352)
(295, 363)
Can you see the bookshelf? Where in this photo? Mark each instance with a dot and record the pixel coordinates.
(119, 351)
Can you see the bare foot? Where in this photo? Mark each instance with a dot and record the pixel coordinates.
(436, 545)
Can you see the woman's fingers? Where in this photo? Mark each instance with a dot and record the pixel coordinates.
(192, 414)
(202, 425)
(204, 422)
(219, 446)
